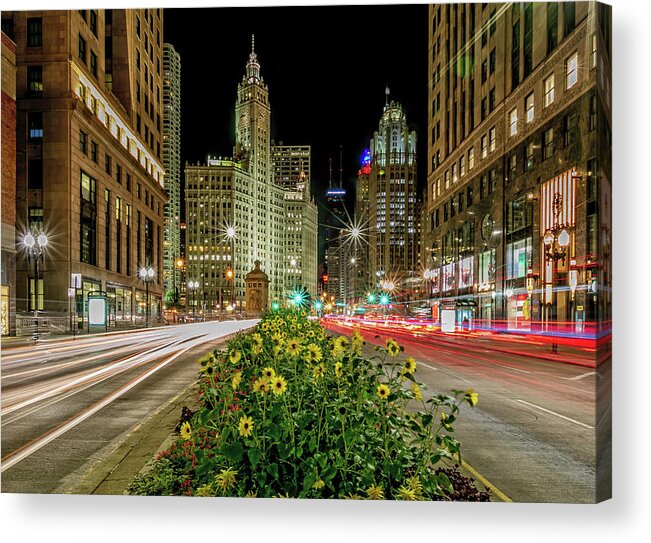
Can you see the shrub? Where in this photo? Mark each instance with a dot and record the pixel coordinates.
(291, 412)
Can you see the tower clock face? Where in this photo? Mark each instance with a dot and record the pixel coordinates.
(244, 118)
(487, 226)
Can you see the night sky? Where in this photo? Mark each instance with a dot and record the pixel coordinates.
(326, 68)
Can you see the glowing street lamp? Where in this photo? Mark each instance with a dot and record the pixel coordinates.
(146, 274)
(230, 234)
(35, 253)
(193, 286)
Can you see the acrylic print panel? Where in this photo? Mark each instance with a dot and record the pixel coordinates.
(342, 272)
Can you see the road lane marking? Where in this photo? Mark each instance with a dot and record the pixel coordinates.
(555, 414)
(578, 377)
(486, 482)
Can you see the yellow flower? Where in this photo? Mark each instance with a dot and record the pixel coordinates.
(410, 366)
(339, 346)
(246, 426)
(234, 356)
(256, 343)
(415, 390)
(317, 371)
(186, 430)
(338, 369)
(406, 493)
(375, 492)
(314, 353)
(357, 342)
(204, 491)
(383, 391)
(261, 385)
(353, 496)
(268, 373)
(278, 385)
(293, 346)
(392, 347)
(472, 397)
(414, 484)
(237, 378)
(277, 339)
(318, 484)
(226, 479)
(278, 349)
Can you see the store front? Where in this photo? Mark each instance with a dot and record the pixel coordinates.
(119, 304)
(81, 299)
(518, 311)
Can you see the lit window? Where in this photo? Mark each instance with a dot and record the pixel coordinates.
(484, 146)
(571, 71)
(593, 57)
(491, 138)
(528, 107)
(549, 91)
(513, 122)
(471, 158)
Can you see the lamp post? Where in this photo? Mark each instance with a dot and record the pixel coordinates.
(179, 267)
(35, 251)
(230, 234)
(193, 286)
(146, 273)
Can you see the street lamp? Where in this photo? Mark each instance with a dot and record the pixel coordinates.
(179, 267)
(147, 275)
(193, 286)
(230, 234)
(35, 253)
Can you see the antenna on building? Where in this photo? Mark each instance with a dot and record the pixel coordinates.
(253, 43)
(330, 181)
(341, 165)
(386, 95)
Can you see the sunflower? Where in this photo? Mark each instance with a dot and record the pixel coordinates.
(246, 426)
(278, 385)
(375, 492)
(268, 373)
(410, 366)
(277, 339)
(338, 368)
(234, 356)
(293, 346)
(339, 346)
(226, 479)
(256, 344)
(415, 390)
(392, 347)
(357, 342)
(314, 353)
(383, 391)
(278, 349)
(317, 371)
(236, 379)
(186, 430)
(261, 385)
(472, 397)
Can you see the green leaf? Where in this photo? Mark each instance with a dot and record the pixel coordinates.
(274, 432)
(254, 456)
(233, 451)
(284, 450)
(272, 469)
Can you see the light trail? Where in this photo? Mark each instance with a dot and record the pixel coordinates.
(555, 414)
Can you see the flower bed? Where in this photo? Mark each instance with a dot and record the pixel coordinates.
(288, 411)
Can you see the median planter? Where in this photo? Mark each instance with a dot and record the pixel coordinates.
(288, 411)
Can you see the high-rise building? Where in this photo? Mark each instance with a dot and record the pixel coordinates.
(519, 170)
(392, 201)
(89, 171)
(172, 164)
(236, 213)
(291, 167)
(8, 260)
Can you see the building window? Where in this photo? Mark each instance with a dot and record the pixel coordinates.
(519, 215)
(83, 142)
(513, 166)
(484, 110)
(569, 17)
(484, 146)
(34, 32)
(107, 164)
(548, 97)
(35, 294)
(35, 127)
(93, 151)
(486, 267)
(528, 164)
(571, 71)
(483, 186)
(455, 175)
(462, 165)
(35, 174)
(484, 71)
(107, 229)
(528, 38)
(571, 132)
(469, 195)
(137, 26)
(88, 220)
(592, 124)
(552, 26)
(471, 158)
(528, 107)
(548, 143)
(593, 56)
(35, 79)
(492, 61)
(491, 99)
(518, 256)
(93, 64)
(118, 173)
(82, 49)
(491, 139)
(513, 122)
(447, 179)
(93, 22)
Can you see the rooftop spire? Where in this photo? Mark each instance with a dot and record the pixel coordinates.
(253, 66)
(341, 166)
(330, 180)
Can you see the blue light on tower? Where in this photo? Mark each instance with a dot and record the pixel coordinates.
(366, 157)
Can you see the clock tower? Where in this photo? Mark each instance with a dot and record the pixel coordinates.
(253, 119)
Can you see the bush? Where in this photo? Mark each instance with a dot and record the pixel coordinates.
(291, 412)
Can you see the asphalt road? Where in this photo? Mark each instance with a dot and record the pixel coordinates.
(533, 433)
(66, 405)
